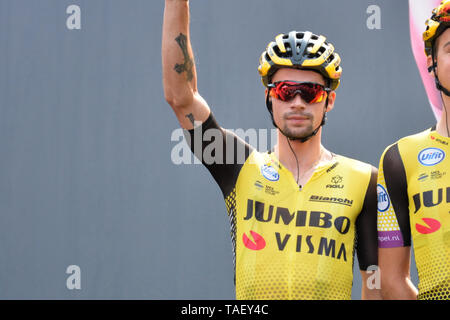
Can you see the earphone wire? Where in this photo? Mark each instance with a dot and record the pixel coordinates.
(296, 159)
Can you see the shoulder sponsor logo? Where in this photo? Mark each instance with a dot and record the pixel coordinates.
(332, 167)
(258, 244)
(270, 173)
(439, 140)
(431, 226)
(383, 198)
(431, 156)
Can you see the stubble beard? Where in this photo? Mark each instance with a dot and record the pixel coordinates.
(298, 132)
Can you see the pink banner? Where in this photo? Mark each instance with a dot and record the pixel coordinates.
(419, 12)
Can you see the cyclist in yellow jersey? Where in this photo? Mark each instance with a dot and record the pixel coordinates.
(414, 190)
(296, 211)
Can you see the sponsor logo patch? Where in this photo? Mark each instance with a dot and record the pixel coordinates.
(431, 156)
(258, 244)
(383, 198)
(431, 225)
(270, 173)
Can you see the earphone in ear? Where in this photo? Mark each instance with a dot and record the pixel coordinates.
(431, 68)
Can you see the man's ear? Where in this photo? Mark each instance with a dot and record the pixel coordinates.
(431, 65)
(268, 101)
(331, 100)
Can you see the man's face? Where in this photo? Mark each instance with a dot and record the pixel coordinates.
(442, 46)
(296, 118)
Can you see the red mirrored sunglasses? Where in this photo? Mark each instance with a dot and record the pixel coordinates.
(310, 92)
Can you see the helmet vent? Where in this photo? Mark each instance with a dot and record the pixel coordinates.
(308, 50)
(299, 35)
(288, 49)
(330, 58)
(280, 54)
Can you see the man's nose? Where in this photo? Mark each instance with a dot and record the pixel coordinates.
(297, 101)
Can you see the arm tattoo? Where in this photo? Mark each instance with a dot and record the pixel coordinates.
(188, 63)
(190, 116)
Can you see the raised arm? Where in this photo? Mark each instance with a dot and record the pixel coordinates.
(178, 67)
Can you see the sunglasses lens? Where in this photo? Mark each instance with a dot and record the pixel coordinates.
(313, 93)
(309, 92)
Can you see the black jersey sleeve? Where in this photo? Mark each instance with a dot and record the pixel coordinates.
(366, 226)
(221, 151)
(395, 179)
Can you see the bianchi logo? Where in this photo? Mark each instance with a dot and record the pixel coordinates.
(343, 201)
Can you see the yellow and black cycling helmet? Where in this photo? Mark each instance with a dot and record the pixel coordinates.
(301, 50)
(438, 23)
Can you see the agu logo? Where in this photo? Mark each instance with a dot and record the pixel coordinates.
(431, 225)
(269, 173)
(383, 198)
(431, 156)
(258, 243)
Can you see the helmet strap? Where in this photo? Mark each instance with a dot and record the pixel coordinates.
(439, 86)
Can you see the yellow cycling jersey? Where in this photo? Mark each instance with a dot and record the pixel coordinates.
(291, 242)
(414, 202)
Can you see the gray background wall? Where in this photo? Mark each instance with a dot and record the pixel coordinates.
(86, 176)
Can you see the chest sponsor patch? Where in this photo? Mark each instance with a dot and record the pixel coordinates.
(270, 173)
(431, 156)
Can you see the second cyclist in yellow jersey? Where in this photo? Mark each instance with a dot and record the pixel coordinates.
(414, 189)
(414, 203)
